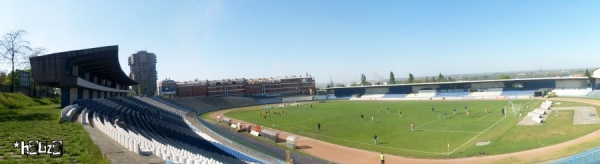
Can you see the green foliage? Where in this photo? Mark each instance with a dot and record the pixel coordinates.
(587, 73)
(39, 123)
(392, 78)
(441, 78)
(341, 124)
(504, 77)
(363, 79)
(18, 100)
(411, 78)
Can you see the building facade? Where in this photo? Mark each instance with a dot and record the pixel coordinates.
(143, 70)
(279, 86)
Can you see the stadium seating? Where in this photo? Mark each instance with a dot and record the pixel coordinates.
(393, 96)
(452, 95)
(572, 92)
(490, 93)
(423, 94)
(297, 99)
(595, 93)
(152, 127)
(518, 94)
(268, 101)
(320, 97)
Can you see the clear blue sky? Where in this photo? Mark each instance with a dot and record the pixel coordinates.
(251, 38)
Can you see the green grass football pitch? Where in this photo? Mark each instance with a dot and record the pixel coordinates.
(434, 136)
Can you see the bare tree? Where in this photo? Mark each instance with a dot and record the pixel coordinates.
(17, 51)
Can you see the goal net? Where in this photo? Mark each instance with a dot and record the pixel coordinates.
(512, 109)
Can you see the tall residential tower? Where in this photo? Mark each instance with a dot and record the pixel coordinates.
(143, 70)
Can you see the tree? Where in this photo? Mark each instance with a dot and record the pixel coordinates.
(504, 77)
(441, 78)
(411, 78)
(426, 79)
(17, 51)
(3, 77)
(587, 73)
(353, 84)
(363, 79)
(392, 78)
(433, 79)
(449, 78)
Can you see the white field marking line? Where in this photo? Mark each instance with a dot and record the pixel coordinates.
(372, 145)
(499, 110)
(450, 131)
(427, 123)
(476, 136)
(489, 114)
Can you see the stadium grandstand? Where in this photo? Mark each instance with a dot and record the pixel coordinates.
(94, 92)
(168, 127)
(486, 89)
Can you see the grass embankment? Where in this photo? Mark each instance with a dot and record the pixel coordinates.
(41, 123)
(341, 124)
(18, 100)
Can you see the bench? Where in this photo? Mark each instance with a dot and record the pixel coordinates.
(540, 111)
(534, 115)
(536, 119)
(255, 133)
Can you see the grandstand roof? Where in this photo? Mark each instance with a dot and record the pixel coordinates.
(461, 82)
(101, 62)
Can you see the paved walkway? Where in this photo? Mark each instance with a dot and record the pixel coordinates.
(115, 152)
(581, 114)
(527, 121)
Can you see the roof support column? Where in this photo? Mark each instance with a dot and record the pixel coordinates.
(79, 93)
(86, 94)
(74, 95)
(65, 96)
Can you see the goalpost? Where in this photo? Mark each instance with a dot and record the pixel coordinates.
(512, 109)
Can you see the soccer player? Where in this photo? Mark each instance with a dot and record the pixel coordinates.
(375, 139)
(454, 110)
(465, 108)
(503, 112)
(412, 127)
(444, 115)
(371, 118)
(388, 110)
(400, 113)
(361, 117)
(432, 109)
(486, 109)
(468, 113)
(319, 126)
